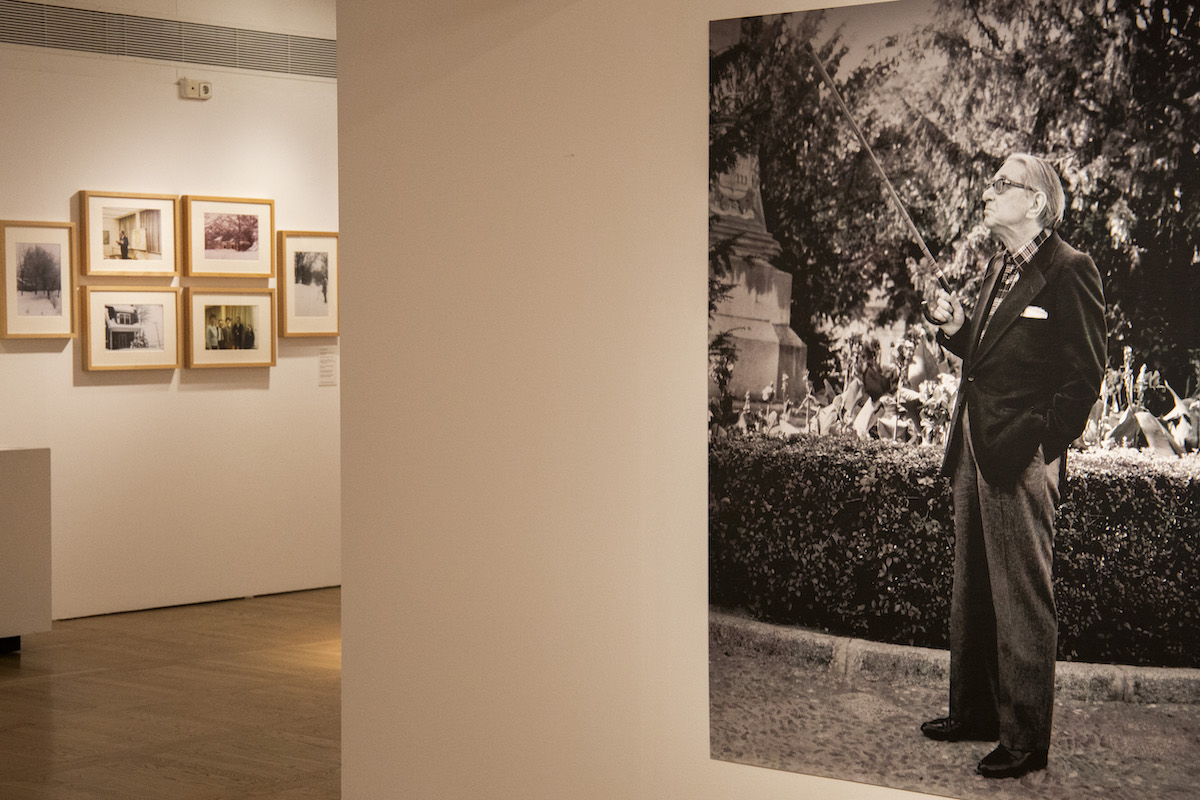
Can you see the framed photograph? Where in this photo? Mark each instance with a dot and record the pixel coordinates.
(130, 328)
(129, 234)
(308, 283)
(39, 279)
(229, 237)
(231, 328)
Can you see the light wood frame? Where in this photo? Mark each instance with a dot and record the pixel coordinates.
(248, 307)
(116, 318)
(100, 251)
(25, 317)
(201, 218)
(307, 308)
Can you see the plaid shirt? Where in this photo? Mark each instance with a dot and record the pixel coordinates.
(1013, 264)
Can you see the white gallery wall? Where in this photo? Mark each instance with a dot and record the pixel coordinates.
(176, 486)
(524, 193)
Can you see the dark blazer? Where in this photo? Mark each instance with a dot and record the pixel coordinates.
(1036, 375)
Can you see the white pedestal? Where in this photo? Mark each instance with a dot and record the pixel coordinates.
(24, 542)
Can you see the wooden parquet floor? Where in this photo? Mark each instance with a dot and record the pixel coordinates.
(237, 700)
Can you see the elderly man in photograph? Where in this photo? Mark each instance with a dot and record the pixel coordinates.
(1033, 358)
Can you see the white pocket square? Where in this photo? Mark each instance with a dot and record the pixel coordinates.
(1035, 312)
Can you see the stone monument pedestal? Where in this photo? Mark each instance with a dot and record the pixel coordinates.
(757, 312)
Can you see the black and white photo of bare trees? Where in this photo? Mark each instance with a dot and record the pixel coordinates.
(312, 283)
(39, 279)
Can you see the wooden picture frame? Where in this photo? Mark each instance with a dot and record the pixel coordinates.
(307, 281)
(230, 327)
(37, 293)
(229, 237)
(134, 327)
(122, 233)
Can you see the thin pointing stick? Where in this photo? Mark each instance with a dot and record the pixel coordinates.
(938, 274)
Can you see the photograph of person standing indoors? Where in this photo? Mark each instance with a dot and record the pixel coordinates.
(1033, 357)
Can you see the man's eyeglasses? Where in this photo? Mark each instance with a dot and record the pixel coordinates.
(1002, 185)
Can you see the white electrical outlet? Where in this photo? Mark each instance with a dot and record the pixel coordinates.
(190, 89)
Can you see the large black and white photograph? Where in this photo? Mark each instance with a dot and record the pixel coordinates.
(129, 234)
(130, 328)
(308, 283)
(954, 396)
(229, 237)
(230, 327)
(38, 279)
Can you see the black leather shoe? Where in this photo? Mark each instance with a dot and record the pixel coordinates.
(948, 729)
(1005, 763)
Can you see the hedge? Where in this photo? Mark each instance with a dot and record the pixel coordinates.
(855, 538)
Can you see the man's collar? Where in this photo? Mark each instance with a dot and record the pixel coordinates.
(1024, 254)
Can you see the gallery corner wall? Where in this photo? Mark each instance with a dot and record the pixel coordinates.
(524, 187)
(177, 486)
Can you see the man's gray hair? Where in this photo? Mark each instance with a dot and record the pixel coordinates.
(1041, 175)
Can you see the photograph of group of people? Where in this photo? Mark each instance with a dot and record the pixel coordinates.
(230, 328)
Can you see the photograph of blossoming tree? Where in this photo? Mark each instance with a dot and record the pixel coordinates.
(231, 236)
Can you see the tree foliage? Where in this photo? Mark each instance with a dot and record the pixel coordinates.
(1107, 89)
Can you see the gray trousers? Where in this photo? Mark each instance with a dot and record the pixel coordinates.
(1003, 625)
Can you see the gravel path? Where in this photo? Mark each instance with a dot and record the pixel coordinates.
(770, 711)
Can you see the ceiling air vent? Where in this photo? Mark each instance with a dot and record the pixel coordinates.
(210, 44)
(309, 56)
(147, 37)
(63, 28)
